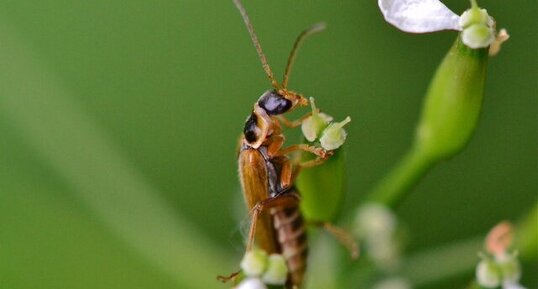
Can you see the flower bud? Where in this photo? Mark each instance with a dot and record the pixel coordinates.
(254, 263)
(251, 283)
(313, 125)
(277, 270)
(488, 274)
(334, 135)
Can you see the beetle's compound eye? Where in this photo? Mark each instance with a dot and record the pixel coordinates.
(251, 130)
(273, 103)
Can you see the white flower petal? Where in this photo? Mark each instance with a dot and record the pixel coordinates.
(251, 283)
(510, 285)
(419, 16)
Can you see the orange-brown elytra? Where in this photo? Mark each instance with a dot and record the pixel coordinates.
(267, 174)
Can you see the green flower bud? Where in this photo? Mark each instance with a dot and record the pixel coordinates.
(334, 135)
(314, 124)
(453, 102)
(277, 270)
(488, 274)
(254, 263)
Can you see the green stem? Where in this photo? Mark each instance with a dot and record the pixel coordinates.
(401, 178)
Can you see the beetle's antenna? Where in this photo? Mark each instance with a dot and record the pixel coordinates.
(256, 43)
(318, 27)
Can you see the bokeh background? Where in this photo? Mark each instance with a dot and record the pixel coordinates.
(119, 121)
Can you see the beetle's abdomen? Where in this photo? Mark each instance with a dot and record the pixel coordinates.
(291, 233)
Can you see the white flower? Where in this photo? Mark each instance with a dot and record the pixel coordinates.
(251, 283)
(509, 285)
(254, 263)
(334, 135)
(488, 274)
(277, 270)
(421, 16)
(393, 283)
(314, 125)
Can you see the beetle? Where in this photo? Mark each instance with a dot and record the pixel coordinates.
(267, 174)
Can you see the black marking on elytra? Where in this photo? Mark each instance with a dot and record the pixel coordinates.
(250, 128)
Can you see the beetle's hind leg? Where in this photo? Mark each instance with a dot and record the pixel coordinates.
(230, 277)
(283, 201)
(340, 235)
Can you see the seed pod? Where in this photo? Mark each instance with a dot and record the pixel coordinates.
(322, 187)
(453, 102)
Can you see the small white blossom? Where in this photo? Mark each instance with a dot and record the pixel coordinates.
(421, 16)
(500, 265)
(376, 225)
(251, 283)
(334, 135)
(254, 263)
(313, 125)
(277, 270)
(488, 274)
(393, 283)
(508, 285)
(510, 267)
(469, 17)
(478, 36)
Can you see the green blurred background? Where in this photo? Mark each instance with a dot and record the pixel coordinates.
(119, 120)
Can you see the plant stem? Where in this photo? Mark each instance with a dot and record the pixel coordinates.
(401, 178)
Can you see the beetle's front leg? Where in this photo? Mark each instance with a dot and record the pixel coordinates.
(293, 123)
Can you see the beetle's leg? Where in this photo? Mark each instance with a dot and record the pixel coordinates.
(230, 277)
(341, 235)
(275, 144)
(293, 123)
(284, 200)
(320, 152)
(286, 174)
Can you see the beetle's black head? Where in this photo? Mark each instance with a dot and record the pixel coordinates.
(276, 102)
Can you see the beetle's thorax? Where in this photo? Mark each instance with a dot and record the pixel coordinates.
(259, 125)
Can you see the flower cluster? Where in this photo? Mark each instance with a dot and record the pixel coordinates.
(319, 126)
(376, 225)
(499, 266)
(261, 270)
(421, 16)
